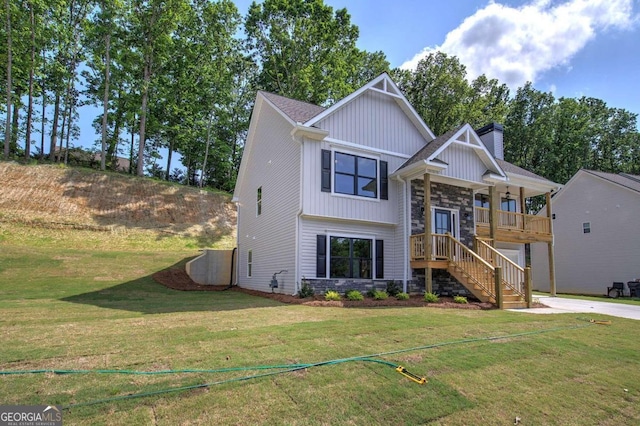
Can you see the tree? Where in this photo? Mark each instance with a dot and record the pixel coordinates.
(7, 128)
(437, 90)
(153, 23)
(304, 50)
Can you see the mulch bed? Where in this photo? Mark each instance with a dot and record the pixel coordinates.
(177, 279)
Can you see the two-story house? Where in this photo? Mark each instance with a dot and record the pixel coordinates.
(336, 196)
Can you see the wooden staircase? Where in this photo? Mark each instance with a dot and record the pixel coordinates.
(486, 273)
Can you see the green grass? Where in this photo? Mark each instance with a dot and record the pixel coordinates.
(70, 304)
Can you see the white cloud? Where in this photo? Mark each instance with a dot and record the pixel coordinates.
(516, 45)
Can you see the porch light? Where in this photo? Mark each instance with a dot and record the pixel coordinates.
(508, 194)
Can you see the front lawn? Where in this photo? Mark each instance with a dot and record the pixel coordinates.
(70, 306)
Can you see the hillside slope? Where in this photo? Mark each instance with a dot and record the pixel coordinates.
(54, 196)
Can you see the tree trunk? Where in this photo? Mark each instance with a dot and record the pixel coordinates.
(143, 113)
(27, 139)
(62, 134)
(44, 114)
(15, 119)
(133, 126)
(7, 128)
(206, 150)
(54, 128)
(169, 155)
(105, 100)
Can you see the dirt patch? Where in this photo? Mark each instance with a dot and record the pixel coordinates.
(178, 279)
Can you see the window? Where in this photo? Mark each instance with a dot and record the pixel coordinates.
(350, 258)
(481, 200)
(354, 175)
(508, 205)
(586, 227)
(249, 263)
(259, 202)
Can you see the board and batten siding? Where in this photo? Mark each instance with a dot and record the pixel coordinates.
(275, 166)
(374, 120)
(310, 228)
(589, 263)
(463, 162)
(331, 205)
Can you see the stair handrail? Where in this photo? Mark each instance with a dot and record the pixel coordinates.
(455, 256)
(513, 275)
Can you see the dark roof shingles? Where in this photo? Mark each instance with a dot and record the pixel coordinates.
(298, 111)
(427, 150)
(628, 181)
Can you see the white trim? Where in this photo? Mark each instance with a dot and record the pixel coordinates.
(355, 196)
(467, 128)
(350, 220)
(358, 147)
(272, 105)
(313, 133)
(395, 93)
(360, 236)
(455, 219)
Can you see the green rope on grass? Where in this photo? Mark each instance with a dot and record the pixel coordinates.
(282, 369)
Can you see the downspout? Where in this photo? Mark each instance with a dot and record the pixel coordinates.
(296, 269)
(233, 256)
(237, 241)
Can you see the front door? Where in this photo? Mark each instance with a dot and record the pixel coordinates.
(443, 222)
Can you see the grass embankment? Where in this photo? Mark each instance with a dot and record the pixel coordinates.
(69, 300)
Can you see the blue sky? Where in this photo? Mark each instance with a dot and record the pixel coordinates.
(572, 48)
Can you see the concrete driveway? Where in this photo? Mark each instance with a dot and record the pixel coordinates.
(560, 305)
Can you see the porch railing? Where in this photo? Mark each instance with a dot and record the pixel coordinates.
(515, 221)
(439, 247)
(513, 275)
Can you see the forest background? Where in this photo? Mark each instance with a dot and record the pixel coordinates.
(171, 77)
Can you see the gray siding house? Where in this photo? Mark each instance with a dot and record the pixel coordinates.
(336, 197)
(597, 234)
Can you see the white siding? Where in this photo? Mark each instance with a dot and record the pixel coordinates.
(463, 162)
(589, 263)
(374, 120)
(318, 203)
(274, 160)
(310, 228)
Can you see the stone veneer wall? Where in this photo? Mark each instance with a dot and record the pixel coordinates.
(321, 286)
(448, 197)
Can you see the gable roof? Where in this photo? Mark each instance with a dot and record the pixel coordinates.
(513, 169)
(381, 84)
(429, 149)
(463, 134)
(298, 111)
(628, 181)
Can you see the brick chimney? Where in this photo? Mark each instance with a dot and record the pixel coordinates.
(491, 136)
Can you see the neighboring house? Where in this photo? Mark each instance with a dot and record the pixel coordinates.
(335, 196)
(597, 234)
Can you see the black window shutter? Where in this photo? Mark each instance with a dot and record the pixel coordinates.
(384, 181)
(321, 257)
(326, 170)
(379, 259)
